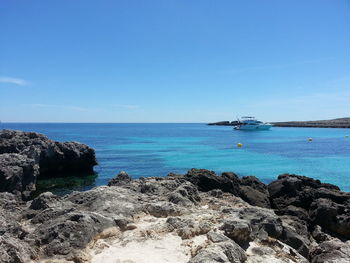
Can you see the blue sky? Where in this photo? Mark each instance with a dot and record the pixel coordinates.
(174, 60)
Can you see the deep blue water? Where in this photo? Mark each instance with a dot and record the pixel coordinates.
(157, 149)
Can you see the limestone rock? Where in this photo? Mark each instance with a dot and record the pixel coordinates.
(18, 174)
(25, 156)
(120, 179)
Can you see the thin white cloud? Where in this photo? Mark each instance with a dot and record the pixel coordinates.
(126, 106)
(64, 107)
(10, 80)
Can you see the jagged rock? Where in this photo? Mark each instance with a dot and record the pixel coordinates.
(301, 191)
(331, 216)
(163, 209)
(225, 252)
(270, 250)
(296, 212)
(313, 202)
(331, 251)
(120, 179)
(249, 188)
(122, 223)
(60, 236)
(24, 156)
(52, 157)
(216, 237)
(13, 244)
(43, 201)
(254, 192)
(148, 188)
(319, 235)
(254, 197)
(15, 251)
(207, 180)
(262, 222)
(295, 240)
(18, 174)
(185, 194)
(203, 222)
(254, 183)
(238, 230)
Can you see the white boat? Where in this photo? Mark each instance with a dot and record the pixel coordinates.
(252, 124)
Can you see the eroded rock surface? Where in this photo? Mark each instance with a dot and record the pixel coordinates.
(178, 219)
(24, 156)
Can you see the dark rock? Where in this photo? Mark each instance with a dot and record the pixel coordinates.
(122, 223)
(49, 214)
(216, 193)
(60, 236)
(18, 174)
(43, 201)
(185, 194)
(52, 157)
(238, 230)
(313, 202)
(296, 241)
(251, 223)
(334, 218)
(207, 180)
(147, 188)
(121, 179)
(334, 123)
(254, 197)
(297, 212)
(254, 192)
(254, 183)
(25, 156)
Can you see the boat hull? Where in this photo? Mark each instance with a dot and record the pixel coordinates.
(262, 127)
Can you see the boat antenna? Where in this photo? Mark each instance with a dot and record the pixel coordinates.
(238, 119)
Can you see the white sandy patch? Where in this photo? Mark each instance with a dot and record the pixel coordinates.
(168, 249)
(149, 242)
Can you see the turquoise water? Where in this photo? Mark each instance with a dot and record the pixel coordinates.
(157, 149)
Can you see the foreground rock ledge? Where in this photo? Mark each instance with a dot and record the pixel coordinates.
(25, 156)
(196, 217)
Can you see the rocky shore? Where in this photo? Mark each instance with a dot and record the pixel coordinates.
(335, 123)
(224, 123)
(27, 156)
(197, 217)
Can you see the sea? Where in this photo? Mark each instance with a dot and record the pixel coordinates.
(155, 149)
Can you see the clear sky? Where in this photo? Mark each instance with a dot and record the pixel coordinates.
(174, 60)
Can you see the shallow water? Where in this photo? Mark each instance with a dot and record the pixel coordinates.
(157, 149)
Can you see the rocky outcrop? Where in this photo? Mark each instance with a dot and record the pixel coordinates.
(121, 179)
(18, 174)
(249, 188)
(224, 123)
(313, 203)
(179, 218)
(25, 156)
(334, 123)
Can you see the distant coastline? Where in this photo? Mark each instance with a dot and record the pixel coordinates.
(334, 123)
